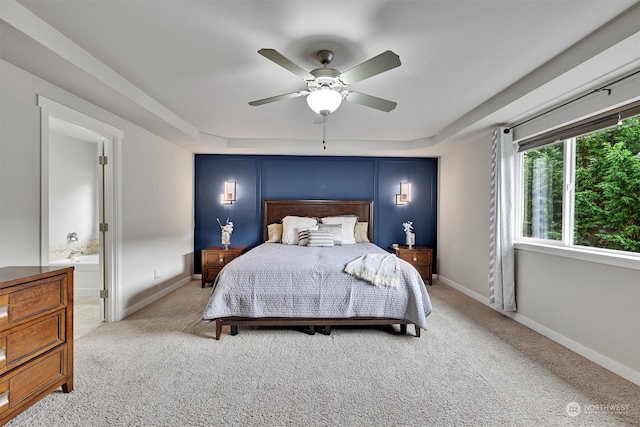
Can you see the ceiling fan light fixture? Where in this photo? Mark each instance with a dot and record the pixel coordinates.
(324, 101)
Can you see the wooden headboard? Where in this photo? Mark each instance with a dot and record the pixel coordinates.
(275, 210)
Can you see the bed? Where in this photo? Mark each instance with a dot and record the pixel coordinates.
(280, 284)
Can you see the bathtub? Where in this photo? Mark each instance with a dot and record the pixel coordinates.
(86, 278)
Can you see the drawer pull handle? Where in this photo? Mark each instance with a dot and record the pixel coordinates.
(4, 399)
(221, 260)
(415, 258)
(3, 354)
(4, 311)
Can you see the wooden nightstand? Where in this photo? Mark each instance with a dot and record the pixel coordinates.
(216, 257)
(419, 257)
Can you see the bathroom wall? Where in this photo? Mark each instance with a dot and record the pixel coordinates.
(73, 195)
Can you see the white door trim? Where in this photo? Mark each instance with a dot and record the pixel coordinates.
(113, 212)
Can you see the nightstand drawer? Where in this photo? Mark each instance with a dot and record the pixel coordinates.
(210, 274)
(214, 258)
(420, 257)
(219, 258)
(424, 270)
(415, 257)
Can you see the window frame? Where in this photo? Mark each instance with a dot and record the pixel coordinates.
(565, 246)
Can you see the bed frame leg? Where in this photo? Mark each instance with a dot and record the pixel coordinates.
(417, 331)
(218, 328)
(326, 330)
(234, 329)
(403, 329)
(312, 330)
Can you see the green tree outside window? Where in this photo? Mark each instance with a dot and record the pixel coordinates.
(607, 189)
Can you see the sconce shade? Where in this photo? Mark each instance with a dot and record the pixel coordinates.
(229, 195)
(405, 194)
(324, 101)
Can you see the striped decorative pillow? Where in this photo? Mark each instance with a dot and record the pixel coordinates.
(320, 238)
(335, 229)
(348, 226)
(303, 235)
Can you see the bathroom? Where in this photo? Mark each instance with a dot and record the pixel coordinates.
(74, 203)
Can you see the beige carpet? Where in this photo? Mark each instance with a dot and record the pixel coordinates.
(160, 367)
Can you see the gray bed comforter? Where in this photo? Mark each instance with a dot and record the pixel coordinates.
(276, 280)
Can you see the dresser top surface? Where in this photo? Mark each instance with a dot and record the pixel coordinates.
(8, 275)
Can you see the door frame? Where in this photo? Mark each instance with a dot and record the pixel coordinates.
(112, 214)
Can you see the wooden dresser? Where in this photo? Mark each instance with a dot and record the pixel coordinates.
(36, 335)
(216, 257)
(418, 256)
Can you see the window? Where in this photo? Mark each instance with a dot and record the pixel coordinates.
(543, 176)
(585, 189)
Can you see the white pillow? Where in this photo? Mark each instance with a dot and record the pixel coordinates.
(289, 225)
(348, 227)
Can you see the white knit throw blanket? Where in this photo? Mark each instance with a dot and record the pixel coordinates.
(379, 269)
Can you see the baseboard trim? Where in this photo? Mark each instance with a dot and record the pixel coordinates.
(476, 296)
(153, 298)
(598, 358)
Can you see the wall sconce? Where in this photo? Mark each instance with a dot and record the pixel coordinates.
(229, 195)
(405, 194)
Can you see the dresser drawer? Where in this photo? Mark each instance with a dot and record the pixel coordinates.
(31, 300)
(31, 381)
(31, 339)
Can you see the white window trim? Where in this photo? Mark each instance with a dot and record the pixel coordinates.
(565, 247)
(622, 259)
(568, 194)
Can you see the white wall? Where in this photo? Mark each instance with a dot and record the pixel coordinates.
(589, 307)
(594, 305)
(73, 191)
(156, 200)
(463, 235)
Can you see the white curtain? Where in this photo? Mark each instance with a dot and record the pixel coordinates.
(502, 292)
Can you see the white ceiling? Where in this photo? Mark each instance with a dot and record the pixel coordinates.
(186, 70)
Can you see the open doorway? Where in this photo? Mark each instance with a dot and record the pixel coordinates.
(78, 205)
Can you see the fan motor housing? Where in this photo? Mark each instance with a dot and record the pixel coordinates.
(325, 77)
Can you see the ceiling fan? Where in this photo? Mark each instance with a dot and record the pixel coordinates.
(327, 87)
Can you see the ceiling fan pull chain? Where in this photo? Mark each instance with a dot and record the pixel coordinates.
(324, 133)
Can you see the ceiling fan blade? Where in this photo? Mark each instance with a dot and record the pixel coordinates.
(376, 65)
(286, 63)
(277, 98)
(370, 101)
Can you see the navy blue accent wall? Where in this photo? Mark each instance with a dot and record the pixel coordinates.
(261, 178)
